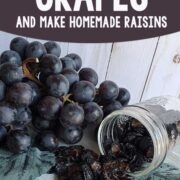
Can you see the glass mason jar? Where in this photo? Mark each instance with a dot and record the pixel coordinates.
(161, 117)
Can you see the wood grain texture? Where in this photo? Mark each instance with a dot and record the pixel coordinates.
(164, 77)
(95, 56)
(130, 63)
(5, 39)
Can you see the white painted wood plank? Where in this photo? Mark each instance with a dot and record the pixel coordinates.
(95, 56)
(5, 39)
(164, 77)
(130, 63)
(63, 45)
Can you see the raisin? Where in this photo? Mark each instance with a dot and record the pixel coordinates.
(145, 143)
(136, 163)
(87, 172)
(77, 176)
(120, 130)
(96, 168)
(89, 156)
(75, 153)
(61, 169)
(130, 150)
(131, 136)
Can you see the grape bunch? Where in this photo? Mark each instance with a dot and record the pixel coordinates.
(55, 97)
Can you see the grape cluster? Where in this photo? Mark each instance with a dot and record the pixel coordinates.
(53, 96)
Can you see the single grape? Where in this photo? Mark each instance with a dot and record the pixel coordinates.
(36, 91)
(43, 124)
(76, 58)
(23, 117)
(11, 73)
(57, 85)
(35, 50)
(10, 57)
(50, 64)
(93, 113)
(19, 45)
(113, 106)
(71, 75)
(7, 114)
(83, 92)
(68, 63)
(3, 133)
(71, 135)
(47, 141)
(108, 91)
(124, 96)
(18, 141)
(100, 101)
(2, 90)
(71, 115)
(48, 107)
(88, 74)
(20, 94)
(53, 48)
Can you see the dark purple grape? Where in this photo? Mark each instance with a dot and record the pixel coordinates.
(50, 64)
(43, 124)
(23, 117)
(20, 94)
(18, 141)
(108, 91)
(19, 45)
(2, 90)
(53, 48)
(3, 133)
(83, 92)
(35, 50)
(88, 74)
(58, 85)
(113, 106)
(68, 63)
(7, 114)
(11, 73)
(48, 107)
(10, 57)
(76, 58)
(36, 90)
(47, 141)
(72, 115)
(71, 135)
(71, 75)
(124, 96)
(93, 113)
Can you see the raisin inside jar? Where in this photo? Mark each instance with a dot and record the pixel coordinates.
(128, 141)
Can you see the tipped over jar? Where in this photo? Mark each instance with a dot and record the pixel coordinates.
(160, 116)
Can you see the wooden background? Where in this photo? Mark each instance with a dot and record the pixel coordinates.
(148, 68)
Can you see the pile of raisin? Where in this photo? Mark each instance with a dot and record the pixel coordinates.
(133, 145)
(78, 163)
(128, 153)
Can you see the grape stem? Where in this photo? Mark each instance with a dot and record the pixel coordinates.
(66, 98)
(27, 72)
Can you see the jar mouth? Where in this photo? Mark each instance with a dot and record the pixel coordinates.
(156, 130)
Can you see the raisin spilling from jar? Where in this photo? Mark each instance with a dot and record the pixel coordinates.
(78, 163)
(128, 152)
